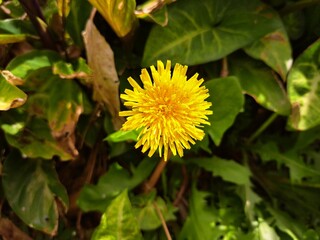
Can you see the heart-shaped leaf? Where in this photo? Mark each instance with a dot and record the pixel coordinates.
(31, 187)
(304, 88)
(118, 221)
(259, 82)
(227, 101)
(212, 30)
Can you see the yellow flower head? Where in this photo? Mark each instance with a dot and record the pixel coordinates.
(169, 109)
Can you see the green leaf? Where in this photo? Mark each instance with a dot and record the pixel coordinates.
(120, 136)
(118, 13)
(212, 30)
(260, 83)
(200, 223)
(288, 225)
(265, 232)
(298, 168)
(35, 140)
(16, 27)
(118, 221)
(229, 170)
(64, 109)
(97, 197)
(76, 69)
(23, 65)
(11, 38)
(144, 208)
(227, 101)
(274, 49)
(304, 89)
(10, 95)
(31, 188)
(76, 20)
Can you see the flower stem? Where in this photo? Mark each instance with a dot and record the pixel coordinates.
(149, 185)
(262, 127)
(155, 176)
(163, 222)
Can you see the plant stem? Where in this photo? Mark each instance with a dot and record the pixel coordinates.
(34, 12)
(224, 70)
(155, 176)
(298, 6)
(163, 222)
(262, 127)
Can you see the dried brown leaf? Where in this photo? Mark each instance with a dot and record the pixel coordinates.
(104, 78)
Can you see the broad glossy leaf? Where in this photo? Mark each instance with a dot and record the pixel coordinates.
(97, 197)
(227, 169)
(104, 78)
(118, 221)
(35, 140)
(10, 95)
(260, 83)
(118, 13)
(274, 49)
(304, 89)
(212, 30)
(64, 109)
(227, 101)
(120, 136)
(22, 65)
(76, 20)
(144, 208)
(31, 187)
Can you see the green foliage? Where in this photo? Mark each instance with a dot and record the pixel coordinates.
(118, 221)
(67, 170)
(21, 177)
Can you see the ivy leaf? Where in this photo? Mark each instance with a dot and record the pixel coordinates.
(118, 221)
(227, 101)
(274, 49)
(304, 88)
(260, 83)
(212, 30)
(31, 187)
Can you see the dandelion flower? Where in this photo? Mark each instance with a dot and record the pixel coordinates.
(169, 109)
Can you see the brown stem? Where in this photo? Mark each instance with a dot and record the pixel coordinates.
(183, 186)
(34, 12)
(163, 222)
(149, 185)
(224, 70)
